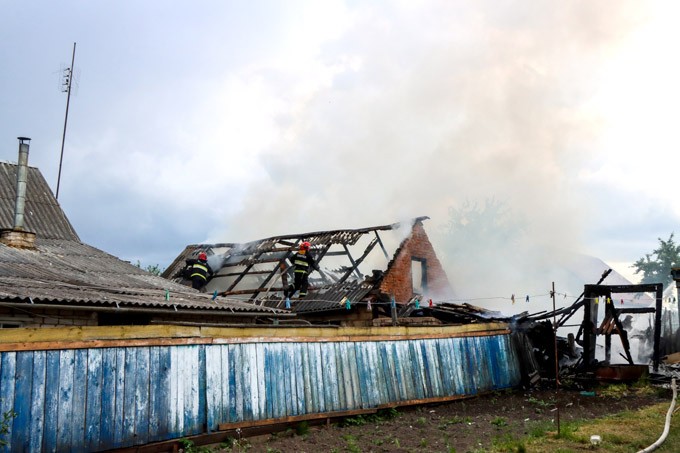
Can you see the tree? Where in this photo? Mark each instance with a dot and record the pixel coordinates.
(152, 269)
(656, 267)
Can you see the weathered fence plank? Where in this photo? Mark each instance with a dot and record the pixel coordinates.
(93, 399)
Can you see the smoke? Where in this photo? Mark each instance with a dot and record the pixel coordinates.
(434, 104)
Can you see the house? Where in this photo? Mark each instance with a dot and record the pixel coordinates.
(366, 267)
(48, 277)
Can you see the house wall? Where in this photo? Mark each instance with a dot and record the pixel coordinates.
(398, 279)
(11, 317)
(93, 395)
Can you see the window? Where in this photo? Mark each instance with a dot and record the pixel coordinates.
(419, 275)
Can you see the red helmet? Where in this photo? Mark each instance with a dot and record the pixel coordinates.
(202, 256)
(305, 245)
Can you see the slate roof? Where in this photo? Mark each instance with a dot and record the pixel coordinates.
(61, 270)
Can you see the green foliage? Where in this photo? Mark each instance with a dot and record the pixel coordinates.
(154, 269)
(5, 424)
(508, 444)
(499, 422)
(656, 267)
(302, 428)
(351, 444)
(361, 419)
(454, 421)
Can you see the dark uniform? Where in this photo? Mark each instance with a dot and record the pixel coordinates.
(198, 271)
(304, 263)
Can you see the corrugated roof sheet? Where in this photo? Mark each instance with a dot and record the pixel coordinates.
(42, 213)
(62, 270)
(68, 272)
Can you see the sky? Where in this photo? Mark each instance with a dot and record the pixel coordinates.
(231, 121)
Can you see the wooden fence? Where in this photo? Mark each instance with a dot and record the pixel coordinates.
(98, 392)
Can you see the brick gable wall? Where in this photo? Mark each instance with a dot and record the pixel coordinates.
(398, 280)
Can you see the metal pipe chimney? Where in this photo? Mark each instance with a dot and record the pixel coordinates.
(22, 176)
(17, 237)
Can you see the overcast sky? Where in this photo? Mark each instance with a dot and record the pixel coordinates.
(230, 121)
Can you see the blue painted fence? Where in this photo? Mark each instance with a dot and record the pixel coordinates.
(103, 398)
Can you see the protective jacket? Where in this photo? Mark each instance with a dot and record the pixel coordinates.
(198, 271)
(304, 263)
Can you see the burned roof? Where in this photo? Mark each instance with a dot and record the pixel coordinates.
(62, 271)
(352, 262)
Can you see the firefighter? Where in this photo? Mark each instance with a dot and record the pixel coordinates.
(304, 263)
(198, 271)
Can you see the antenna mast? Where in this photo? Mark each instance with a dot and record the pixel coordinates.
(68, 74)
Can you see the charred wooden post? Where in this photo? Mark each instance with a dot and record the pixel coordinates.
(612, 324)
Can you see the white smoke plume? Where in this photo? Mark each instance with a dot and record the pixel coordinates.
(428, 105)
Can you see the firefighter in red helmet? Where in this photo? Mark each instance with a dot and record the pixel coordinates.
(198, 271)
(303, 263)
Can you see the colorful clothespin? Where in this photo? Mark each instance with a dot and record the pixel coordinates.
(343, 300)
(393, 304)
(214, 295)
(621, 301)
(527, 298)
(597, 300)
(368, 306)
(167, 294)
(287, 303)
(348, 304)
(512, 298)
(431, 305)
(417, 304)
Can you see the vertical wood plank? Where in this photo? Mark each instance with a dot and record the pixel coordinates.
(224, 376)
(238, 383)
(261, 378)
(23, 380)
(80, 377)
(65, 405)
(108, 410)
(37, 422)
(348, 374)
(93, 417)
(51, 401)
(298, 370)
(288, 376)
(269, 384)
(141, 383)
(213, 383)
(307, 371)
(154, 393)
(164, 405)
(119, 410)
(246, 381)
(202, 416)
(233, 394)
(129, 394)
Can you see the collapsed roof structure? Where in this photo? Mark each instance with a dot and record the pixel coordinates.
(380, 264)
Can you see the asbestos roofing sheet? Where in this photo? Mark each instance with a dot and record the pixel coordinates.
(65, 272)
(42, 213)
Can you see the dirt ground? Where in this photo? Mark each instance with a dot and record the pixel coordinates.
(460, 426)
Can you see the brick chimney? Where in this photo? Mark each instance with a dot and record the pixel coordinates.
(17, 236)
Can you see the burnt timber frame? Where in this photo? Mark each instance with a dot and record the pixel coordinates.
(278, 251)
(590, 329)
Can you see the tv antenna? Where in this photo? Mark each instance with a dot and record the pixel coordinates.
(65, 87)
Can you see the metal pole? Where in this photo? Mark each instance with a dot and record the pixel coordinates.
(68, 100)
(557, 362)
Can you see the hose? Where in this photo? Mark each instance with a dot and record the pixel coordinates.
(667, 427)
